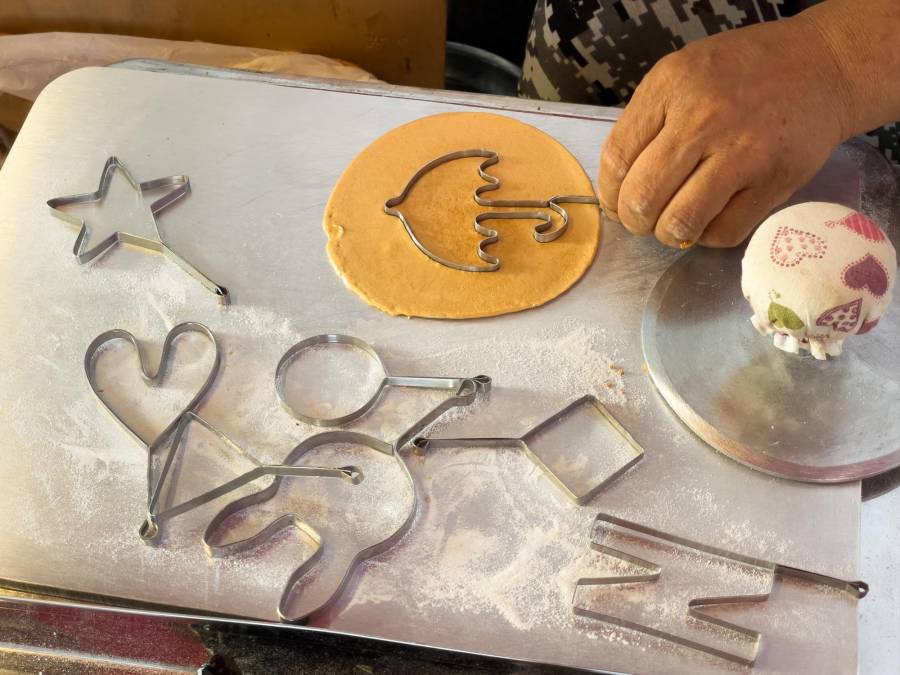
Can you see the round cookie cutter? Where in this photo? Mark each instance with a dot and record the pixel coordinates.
(456, 384)
(787, 415)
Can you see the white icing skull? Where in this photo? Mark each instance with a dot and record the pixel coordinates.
(816, 273)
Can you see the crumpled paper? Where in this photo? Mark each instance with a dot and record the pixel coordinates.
(29, 62)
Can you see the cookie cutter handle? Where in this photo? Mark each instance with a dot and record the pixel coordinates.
(426, 444)
(219, 291)
(481, 383)
(463, 388)
(858, 588)
(182, 188)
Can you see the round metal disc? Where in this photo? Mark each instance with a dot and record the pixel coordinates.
(787, 415)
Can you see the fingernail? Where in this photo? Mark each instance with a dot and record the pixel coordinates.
(685, 244)
(679, 232)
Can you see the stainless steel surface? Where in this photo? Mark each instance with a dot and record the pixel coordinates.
(879, 632)
(543, 233)
(471, 100)
(620, 450)
(297, 139)
(177, 186)
(787, 415)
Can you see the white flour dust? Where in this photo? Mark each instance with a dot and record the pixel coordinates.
(492, 536)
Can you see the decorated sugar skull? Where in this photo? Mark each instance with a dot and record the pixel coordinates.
(815, 274)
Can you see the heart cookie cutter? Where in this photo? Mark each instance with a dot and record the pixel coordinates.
(522, 443)
(652, 573)
(152, 377)
(542, 233)
(174, 433)
(337, 560)
(179, 186)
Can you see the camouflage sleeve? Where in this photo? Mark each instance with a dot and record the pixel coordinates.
(597, 51)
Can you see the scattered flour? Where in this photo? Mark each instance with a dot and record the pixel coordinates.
(491, 538)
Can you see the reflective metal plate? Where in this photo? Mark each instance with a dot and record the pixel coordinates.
(787, 415)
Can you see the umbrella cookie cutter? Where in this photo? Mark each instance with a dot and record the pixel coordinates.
(522, 443)
(179, 186)
(333, 576)
(542, 233)
(695, 606)
(174, 433)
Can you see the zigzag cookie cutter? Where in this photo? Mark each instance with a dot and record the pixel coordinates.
(180, 187)
(695, 606)
(522, 443)
(335, 557)
(542, 232)
(174, 433)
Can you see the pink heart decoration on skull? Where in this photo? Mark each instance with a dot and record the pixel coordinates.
(858, 223)
(842, 318)
(866, 273)
(791, 246)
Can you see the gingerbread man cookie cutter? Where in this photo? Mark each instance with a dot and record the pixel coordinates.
(335, 558)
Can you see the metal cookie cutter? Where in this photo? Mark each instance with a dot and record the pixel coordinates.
(554, 420)
(180, 186)
(641, 616)
(150, 527)
(337, 553)
(153, 377)
(542, 232)
(481, 382)
(174, 433)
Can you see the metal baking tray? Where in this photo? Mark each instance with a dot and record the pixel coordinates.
(489, 564)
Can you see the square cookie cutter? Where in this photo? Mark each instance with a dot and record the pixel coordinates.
(555, 420)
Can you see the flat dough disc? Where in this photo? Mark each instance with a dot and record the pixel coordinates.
(376, 258)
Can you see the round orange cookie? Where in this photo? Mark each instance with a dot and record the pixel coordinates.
(376, 258)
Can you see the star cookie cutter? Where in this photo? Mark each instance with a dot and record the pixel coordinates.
(179, 186)
(543, 232)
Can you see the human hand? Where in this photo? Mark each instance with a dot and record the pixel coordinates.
(724, 130)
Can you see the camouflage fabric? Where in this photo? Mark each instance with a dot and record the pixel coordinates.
(597, 51)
